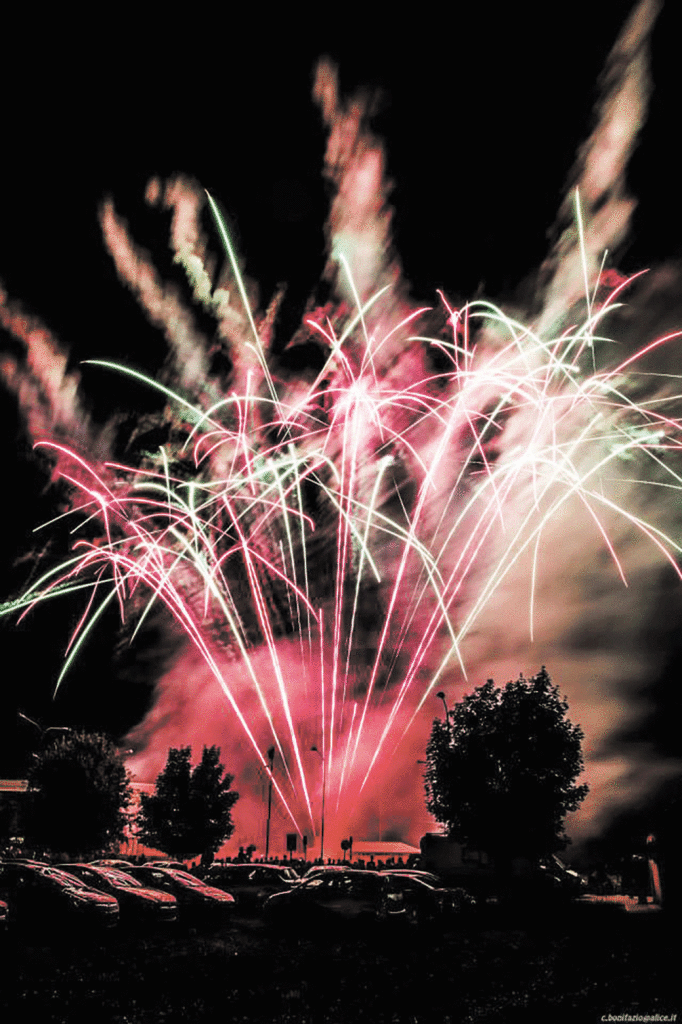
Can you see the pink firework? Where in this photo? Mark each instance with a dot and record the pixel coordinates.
(333, 545)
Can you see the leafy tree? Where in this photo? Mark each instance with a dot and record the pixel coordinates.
(190, 811)
(501, 769)
(78, 793)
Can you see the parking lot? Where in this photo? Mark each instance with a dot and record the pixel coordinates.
(498, 969)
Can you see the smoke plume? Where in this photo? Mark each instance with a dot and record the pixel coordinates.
(430, 498)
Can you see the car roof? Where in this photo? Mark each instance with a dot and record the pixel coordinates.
(98, 869)
(354, 874)
(406, 873)
(277, 868)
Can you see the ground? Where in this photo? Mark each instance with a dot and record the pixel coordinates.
(498, 969)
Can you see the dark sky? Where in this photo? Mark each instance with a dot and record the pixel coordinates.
(481, 114)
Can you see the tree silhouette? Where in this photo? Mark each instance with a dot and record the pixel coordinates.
(78, 794)
(501, 769)
(190, 811)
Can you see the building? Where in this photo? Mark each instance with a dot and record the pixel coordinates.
(382, 850)
(11, 796)
(13, 793)
(367, 849)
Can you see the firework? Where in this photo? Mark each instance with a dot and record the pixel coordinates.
(331, 543)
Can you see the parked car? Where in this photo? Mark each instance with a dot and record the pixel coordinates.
(38, 893)
(554, 879)
(136, 901)
(345, 895)
(251, 884)
(426, 903)
(195, 898)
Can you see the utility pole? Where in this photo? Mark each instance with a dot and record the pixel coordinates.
(271, 759)
(324, 787)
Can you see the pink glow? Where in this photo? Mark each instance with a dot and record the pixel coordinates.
(335, 551)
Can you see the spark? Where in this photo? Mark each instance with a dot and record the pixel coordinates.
(193, 544)
(371, 514)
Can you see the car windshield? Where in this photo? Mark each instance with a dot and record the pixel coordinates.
(62, 878)
(361, 883)
(152, 876)
(424, 876)
(78, 871)
(314, 883)
(185, 878)
(343, 883)
(250, 871)
(261, 875)
(409, 882)
(119, 878)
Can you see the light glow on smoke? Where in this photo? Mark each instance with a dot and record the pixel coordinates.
(336, 546)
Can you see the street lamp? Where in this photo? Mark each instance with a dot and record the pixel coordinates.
(442, 697)
(44, 732)
(324, 787)
(271, 759)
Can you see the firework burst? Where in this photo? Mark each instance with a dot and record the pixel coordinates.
(329, 542)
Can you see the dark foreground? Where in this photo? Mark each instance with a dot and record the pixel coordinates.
(577, 967)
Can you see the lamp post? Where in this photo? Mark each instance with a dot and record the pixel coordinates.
(50, 728)
(271, 759)
(324, 787)
(441, 695)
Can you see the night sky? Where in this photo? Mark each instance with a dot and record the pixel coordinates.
(481, 116)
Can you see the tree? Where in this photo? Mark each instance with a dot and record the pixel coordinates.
(346, 846)
(501, 769)
(190, 811)
(78, 793)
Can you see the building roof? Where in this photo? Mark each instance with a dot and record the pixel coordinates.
(379, 848)
(13, 785)
(21, 785)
